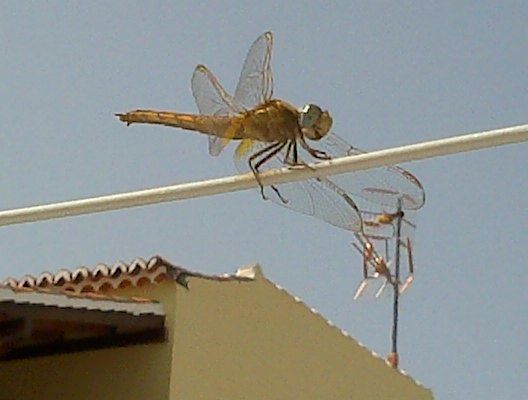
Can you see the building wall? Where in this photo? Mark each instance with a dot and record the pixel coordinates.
(249, 340)
(227, 340)
(134, 372)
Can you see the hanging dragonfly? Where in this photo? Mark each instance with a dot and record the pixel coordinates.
(274, 134)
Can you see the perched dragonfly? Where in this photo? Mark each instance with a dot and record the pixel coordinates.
(274, 134)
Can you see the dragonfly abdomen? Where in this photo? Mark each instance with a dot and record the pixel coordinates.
(210, 125)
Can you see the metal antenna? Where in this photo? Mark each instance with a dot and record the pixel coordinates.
(393, 358)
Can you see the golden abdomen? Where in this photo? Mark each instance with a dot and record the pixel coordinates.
(273, 121)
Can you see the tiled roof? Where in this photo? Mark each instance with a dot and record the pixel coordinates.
(90, 284)
(74, 310)
(103, 278)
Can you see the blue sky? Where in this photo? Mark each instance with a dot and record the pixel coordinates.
(391, 74)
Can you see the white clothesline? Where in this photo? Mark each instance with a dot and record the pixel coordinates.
(397, 155)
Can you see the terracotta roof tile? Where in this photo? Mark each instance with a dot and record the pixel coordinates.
(103, 278)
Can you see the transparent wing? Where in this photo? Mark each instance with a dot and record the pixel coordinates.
(319, 198)
(382, 186)
(212, 99)
(342, 200)
(255, 85)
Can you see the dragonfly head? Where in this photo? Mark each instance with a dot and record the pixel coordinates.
(314, 122)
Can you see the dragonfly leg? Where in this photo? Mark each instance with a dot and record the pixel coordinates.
(294, 162)
(295, 152)
(319, 154)
(271, 151)
(292, 151)
(286, 159)
(262, 161)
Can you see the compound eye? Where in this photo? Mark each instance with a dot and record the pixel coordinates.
(309, 115)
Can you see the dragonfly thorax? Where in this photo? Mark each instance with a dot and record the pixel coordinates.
(314, 122)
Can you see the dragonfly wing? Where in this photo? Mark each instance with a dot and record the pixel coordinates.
(217, 144)
(255, 85)
(319, 198)
(382, 186)
(212, 99)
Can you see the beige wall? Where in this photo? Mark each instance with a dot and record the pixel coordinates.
(134, 372)
(138, 372)
(232, 340)
(248, 340)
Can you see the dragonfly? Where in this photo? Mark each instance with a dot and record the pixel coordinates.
(273, 133)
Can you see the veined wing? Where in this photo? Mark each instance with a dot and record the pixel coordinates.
(382, 186)
(316, 197)
(319, 198)
(255, 85)
(340, 200)
(212, 99)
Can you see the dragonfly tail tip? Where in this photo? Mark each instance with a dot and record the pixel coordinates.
(123, 117)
